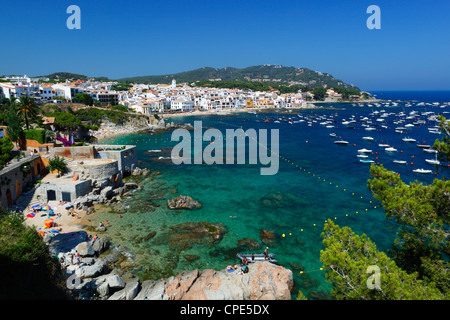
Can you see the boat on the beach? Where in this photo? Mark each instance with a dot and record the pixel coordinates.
(257, 257)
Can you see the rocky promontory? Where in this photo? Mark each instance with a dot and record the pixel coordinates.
(264, 281)
(95, 268)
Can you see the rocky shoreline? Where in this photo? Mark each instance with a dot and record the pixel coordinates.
(97, 269)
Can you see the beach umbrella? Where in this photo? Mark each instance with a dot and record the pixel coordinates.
(44, 208)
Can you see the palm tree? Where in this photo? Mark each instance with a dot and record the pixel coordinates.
(27, 107)
(58, 164)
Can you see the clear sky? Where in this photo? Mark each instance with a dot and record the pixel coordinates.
(117, 39)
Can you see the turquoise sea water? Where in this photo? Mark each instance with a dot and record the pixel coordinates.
(317, 180)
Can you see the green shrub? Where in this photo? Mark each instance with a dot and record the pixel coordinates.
(35, 134)
(27, 268)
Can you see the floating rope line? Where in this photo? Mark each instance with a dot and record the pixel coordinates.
(366, 210)
(297, 166)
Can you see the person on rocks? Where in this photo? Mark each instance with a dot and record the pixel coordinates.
(266, 254)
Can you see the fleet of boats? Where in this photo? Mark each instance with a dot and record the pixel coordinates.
(401, 122)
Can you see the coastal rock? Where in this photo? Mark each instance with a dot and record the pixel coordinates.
(264, 281)
(85, 249)
(183, 202)
(140, 172)
(185, 235)
(115, 282)
(65, 242)
(129, 292)
(92, 271)
(152, 290)
(130, 186)
(100, 245)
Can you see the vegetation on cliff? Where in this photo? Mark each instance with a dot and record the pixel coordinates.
(27, 268)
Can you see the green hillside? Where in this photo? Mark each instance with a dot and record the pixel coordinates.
(263, 73)
(62, 76)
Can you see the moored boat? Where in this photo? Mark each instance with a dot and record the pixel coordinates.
(257, 257)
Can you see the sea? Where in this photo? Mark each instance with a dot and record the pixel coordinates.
(316, 180)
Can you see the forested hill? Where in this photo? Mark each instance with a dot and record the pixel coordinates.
(263, 73)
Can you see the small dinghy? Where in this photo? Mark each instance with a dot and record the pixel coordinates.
(257, 257)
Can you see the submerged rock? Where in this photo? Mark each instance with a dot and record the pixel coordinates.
(267, 237)
(249, 244)
(185, 235)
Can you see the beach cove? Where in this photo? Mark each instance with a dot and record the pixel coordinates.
(251, 207)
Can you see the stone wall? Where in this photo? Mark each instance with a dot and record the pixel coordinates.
(15, 177)
(84, 152)
(126, 157)
(102, 169)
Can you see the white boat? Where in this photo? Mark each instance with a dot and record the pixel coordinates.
(366, 161)
(370, 129)
(434, 161)
(383, 145)
(422, 171)
(399, 161)
(390, 149)
(332, 134)
(409, 140)
(341, 142)
(368, 138)
(431, 161)
(430, 150)
(362, 156)
(364, 151)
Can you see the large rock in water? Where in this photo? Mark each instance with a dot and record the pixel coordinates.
(183, 202)
(264, 281)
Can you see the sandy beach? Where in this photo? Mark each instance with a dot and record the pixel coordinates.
(63, 222)
(108, 133)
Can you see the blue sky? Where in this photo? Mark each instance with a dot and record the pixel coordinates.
(132, 38)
